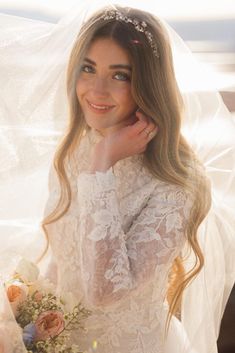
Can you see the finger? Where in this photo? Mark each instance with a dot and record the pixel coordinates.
(144, 122)
(131, 120)
(150, 121)
(141, 116)
(139, 126)
(153, 133)
(149, 133)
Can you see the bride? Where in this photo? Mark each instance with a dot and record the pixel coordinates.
(130, 217)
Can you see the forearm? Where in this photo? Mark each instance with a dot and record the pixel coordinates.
(104, 263)
(102, 158)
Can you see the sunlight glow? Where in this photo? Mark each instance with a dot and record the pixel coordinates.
(210, 133)
(167, 8)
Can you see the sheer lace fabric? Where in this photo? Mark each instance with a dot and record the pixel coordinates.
(114, 247)
(33, 113)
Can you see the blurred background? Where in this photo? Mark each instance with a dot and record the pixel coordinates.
(208, 28)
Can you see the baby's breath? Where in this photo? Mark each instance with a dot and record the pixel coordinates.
(31, 309)
(44, 303)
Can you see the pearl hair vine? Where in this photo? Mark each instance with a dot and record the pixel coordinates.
(140, 26)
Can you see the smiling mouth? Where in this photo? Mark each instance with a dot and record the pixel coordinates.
(100, 107)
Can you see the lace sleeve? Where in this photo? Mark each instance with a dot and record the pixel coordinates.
(114, 263)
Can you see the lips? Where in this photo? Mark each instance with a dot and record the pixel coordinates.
(102, 108)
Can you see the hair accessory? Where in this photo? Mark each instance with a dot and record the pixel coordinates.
(140, 26)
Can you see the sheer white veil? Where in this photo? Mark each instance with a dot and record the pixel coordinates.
(33, 116)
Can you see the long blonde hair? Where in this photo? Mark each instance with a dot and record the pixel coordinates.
(154, 88)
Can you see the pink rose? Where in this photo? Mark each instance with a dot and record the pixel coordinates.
(49, 324)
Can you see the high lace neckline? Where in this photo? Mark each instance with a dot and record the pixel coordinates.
(94, 136)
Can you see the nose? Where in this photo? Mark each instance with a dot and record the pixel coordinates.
(100, 87)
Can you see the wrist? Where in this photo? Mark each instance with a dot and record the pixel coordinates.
(101, 159)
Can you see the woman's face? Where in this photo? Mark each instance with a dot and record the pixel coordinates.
(104, 86)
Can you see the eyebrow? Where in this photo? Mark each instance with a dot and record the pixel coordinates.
(116, 66)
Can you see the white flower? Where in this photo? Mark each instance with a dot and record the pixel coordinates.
(27, 270)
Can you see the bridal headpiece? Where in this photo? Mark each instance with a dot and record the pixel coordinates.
(140, 26)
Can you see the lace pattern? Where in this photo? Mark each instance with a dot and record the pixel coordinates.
(114, 249)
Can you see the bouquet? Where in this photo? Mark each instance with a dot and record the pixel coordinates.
(46, 320)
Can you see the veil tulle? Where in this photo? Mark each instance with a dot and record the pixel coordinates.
(33, 116)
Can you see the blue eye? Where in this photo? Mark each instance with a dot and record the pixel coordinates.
(87, 68)
(122, 76)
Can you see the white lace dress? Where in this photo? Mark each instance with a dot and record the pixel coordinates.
(114, 248)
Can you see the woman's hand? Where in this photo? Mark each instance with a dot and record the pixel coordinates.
(125, 142)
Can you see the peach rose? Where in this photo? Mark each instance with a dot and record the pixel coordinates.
(17, 293)
(49, 324)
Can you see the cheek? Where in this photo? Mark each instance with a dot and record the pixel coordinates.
(81, 87)
(128, 101)
(124, 95)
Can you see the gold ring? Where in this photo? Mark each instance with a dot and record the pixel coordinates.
(147, 132)
(151, 134)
